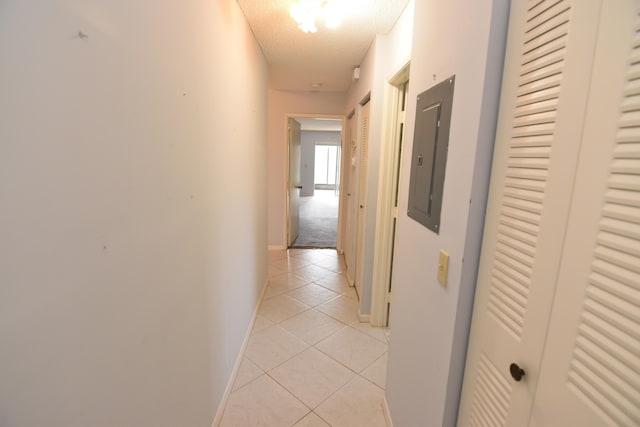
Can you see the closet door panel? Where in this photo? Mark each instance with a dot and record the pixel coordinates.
(545, 88)
(590, 374)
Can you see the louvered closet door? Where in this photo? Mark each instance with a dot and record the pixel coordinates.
(546, 79)
(362, 191)
(590, 374)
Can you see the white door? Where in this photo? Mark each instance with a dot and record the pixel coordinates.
(363, 158)
(352, 200)
(545, 90)
(294, 183)
(345, 192)
(590, 372)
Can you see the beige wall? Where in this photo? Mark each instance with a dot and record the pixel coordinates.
(281, 104)
(132, 223)
(429, 322)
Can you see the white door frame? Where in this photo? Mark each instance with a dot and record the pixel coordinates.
(386, 210)
(285, 217)
(291, 235)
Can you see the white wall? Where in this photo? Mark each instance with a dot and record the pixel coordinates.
(132, 219)
(430, 323)
(386, 56)
(281, 104)
(308, 141)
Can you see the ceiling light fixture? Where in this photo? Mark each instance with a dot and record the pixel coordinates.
(306, 12)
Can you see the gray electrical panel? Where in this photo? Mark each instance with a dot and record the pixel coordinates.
(429, 158)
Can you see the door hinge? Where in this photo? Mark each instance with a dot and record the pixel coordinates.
(389, 297)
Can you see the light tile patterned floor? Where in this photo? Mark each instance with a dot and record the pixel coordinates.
(309, 362)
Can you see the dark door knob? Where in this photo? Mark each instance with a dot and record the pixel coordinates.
(516, 371)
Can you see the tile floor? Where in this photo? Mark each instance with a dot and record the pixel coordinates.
(309, 362)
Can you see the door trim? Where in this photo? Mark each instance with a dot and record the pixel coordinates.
(285, 217)
(383, 249)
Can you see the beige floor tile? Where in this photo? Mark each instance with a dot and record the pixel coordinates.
(273, 271)
(281, 307)
(314, 272)
(336, 282)
(377, 372)
(334, 264)
(323, 376)
(353, 349)
(341, 308)
(373, 331)
(289, 280)
(274, 290)
(311, 376)
(311, 420)
(311, 252)
(312, 294)
(291, 263)
(261, 323)
(351, 293)
(357, 404)
(283, 283)
(311, 326)
(247, 372)
(263, 403)
(273, 346)
(314, 255)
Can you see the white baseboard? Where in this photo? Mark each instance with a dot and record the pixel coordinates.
(351, 281)
(276, 247)
(364, 318)
(232, 379)
(385, 411)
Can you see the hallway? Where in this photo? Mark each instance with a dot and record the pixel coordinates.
(309, 361)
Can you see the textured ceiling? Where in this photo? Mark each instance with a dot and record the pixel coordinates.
(297, 59)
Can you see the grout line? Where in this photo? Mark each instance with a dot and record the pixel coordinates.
(291, 271)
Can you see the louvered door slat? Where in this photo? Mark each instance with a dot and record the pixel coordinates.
(538, 90)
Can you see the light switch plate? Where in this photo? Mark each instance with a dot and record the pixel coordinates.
(443, 267)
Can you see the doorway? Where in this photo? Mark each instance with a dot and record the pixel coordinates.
(319, 168)
(388, 194)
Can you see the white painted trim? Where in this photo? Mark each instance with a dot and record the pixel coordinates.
(363, 318)
(401, 74)
(285, 217)
(385, 411)
(236, 367)
(276, 248)
(342, 200)
(386, 186)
